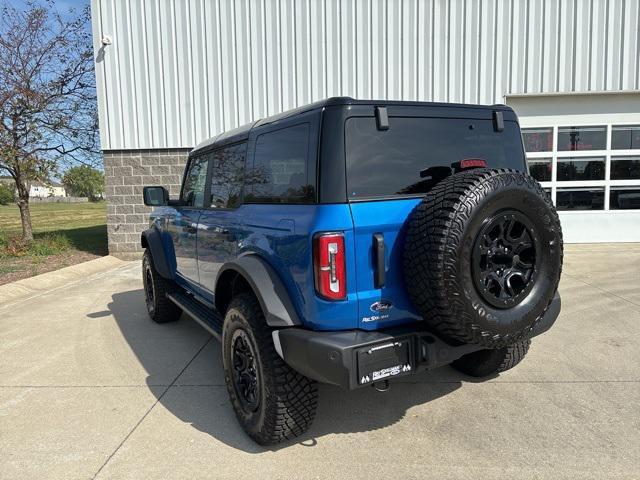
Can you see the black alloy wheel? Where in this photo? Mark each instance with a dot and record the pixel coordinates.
(504, 259)
(245, 373)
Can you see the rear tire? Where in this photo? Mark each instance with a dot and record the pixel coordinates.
(491, 362)
(272, 401)
(156, 287)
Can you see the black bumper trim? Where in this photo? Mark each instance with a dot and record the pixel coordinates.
(332, 357)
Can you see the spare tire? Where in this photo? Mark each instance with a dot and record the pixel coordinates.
(483, 256)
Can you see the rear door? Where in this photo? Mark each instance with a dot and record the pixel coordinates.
(221, 225)
(384, 184)
(183, 226)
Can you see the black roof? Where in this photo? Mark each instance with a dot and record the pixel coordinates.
(242, 132)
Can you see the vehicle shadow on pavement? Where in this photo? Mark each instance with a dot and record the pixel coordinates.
(198, 394)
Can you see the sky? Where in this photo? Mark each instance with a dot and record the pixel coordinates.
(65, 9)
(63, 6)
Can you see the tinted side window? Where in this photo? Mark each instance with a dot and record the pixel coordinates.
(194, 182)
(226, 177)
(280, 167)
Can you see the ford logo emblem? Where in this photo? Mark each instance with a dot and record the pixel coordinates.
(381, 306)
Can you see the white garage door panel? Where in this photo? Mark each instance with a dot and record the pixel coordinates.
(599, 227)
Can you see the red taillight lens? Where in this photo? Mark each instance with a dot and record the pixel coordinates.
(329, 267)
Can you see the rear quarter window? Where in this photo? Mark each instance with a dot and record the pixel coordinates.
(387, 163)
(280, 169)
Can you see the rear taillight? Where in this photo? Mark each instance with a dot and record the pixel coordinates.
(329, 266)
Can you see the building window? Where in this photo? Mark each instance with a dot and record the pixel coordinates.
(540, 168)
(583, 198)
(625, 168)
(582, 138)
(625, 137)
(537, 139)
(580, 168)
(623, 198)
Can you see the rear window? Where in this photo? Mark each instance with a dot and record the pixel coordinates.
(383, 163)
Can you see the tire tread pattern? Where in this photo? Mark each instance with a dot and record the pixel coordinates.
(491, 362)
(435, 232)
(291, 398)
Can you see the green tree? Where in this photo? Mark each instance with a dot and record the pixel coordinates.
(7, 194)
(47, 95)
(84, 181)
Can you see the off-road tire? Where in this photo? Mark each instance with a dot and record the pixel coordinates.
(287, 399)
(441, 236)
(484, 363)
(159, 307)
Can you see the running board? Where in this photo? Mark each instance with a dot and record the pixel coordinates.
(207, 317)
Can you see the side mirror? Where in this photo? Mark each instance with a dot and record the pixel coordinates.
(155, 196)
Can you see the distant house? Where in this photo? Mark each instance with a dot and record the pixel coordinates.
(39, 189)
(42, 190)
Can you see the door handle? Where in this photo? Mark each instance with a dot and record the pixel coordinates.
(221, 232)
(378, 259)
(213, 228)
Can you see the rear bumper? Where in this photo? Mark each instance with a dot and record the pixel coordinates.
(356, 358)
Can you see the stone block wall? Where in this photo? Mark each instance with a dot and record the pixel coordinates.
(126, 172)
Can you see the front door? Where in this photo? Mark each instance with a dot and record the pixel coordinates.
(183, 227)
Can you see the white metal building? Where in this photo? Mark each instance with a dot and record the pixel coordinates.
(171, 73)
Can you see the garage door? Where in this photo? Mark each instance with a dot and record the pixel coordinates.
(585, 150)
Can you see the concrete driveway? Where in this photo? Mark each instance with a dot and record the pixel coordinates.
(91, 388)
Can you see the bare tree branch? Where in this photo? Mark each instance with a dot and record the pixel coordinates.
(47, 94)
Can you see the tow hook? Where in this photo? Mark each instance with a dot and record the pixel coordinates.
(382, 386)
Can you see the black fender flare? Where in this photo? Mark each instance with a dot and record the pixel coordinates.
(152, 240)
(266, 285)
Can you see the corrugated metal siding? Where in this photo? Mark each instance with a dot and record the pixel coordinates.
(180, 71)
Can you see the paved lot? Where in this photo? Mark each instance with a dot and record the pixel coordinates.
(89, 387)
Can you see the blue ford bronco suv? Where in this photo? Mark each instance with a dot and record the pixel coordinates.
(351, 242)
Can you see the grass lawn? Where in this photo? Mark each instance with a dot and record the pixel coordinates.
(65, 234)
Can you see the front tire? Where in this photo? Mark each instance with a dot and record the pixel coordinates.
(156, 287)
(484, 363)
(272, 401)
